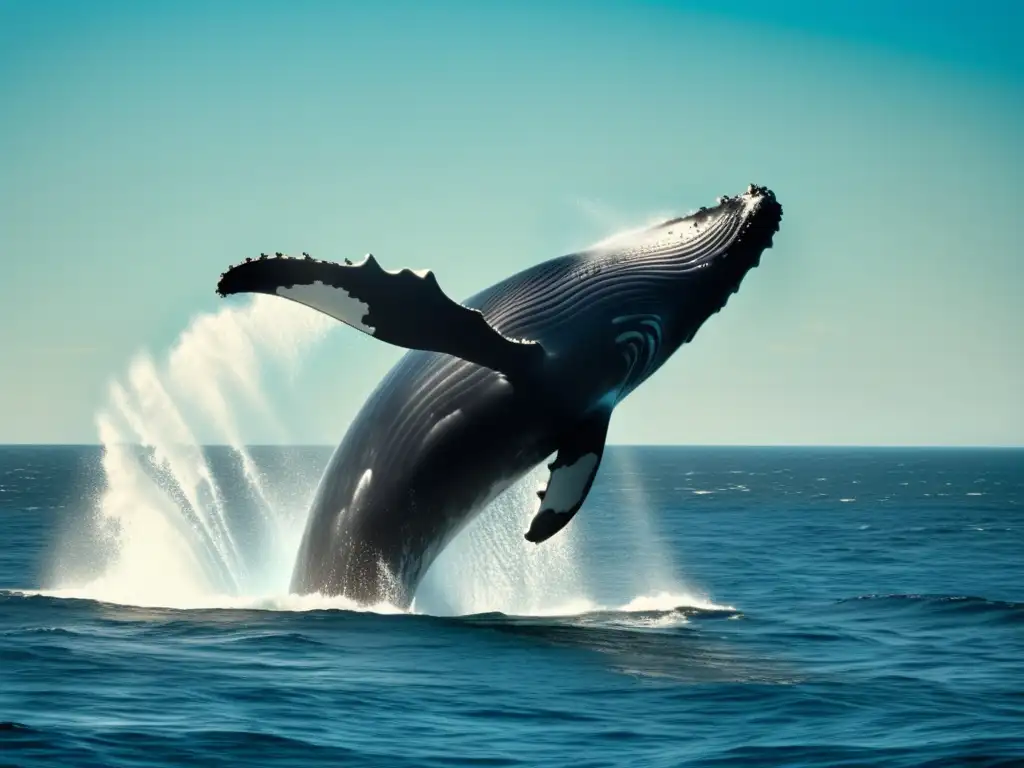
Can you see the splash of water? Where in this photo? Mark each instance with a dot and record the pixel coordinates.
(179, 525)
(167, 532)
(659, 571)
(490, 567)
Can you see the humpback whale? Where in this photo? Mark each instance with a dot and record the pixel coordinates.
(491, 387)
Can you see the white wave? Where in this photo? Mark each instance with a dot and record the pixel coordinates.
(668, 601)
(116, 593)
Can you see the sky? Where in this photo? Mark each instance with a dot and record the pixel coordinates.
(145, 147)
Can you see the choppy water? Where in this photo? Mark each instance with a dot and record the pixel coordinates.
(708, 607)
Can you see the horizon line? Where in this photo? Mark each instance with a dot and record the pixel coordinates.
(877, 446)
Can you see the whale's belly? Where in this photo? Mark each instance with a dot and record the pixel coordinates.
(432, 446)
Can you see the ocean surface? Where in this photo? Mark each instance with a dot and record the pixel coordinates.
(708, 607)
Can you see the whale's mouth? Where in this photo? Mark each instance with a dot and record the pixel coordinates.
(759, 215)
(760, 212)
(729, 236)
(716, 247)
(719, 244)
(707, 254)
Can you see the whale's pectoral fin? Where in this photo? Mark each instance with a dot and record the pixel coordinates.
(572, 474)
(404, 308)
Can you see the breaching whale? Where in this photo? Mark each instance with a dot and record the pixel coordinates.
(530, 367)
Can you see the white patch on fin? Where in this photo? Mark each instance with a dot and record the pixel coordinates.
(333, 301)
(568, 484)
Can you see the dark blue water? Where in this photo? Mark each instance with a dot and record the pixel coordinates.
(751, 607)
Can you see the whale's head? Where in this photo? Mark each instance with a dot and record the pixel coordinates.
(698, 261)
(675, 275)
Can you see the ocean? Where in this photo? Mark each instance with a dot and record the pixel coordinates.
(707, 607)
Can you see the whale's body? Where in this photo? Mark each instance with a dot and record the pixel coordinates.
(530, 367)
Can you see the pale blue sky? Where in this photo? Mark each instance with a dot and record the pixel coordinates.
(146, 146)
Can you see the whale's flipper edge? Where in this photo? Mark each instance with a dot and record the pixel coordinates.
(572, 475)
(405, 308)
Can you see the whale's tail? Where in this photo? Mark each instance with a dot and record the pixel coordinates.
(404, 308)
